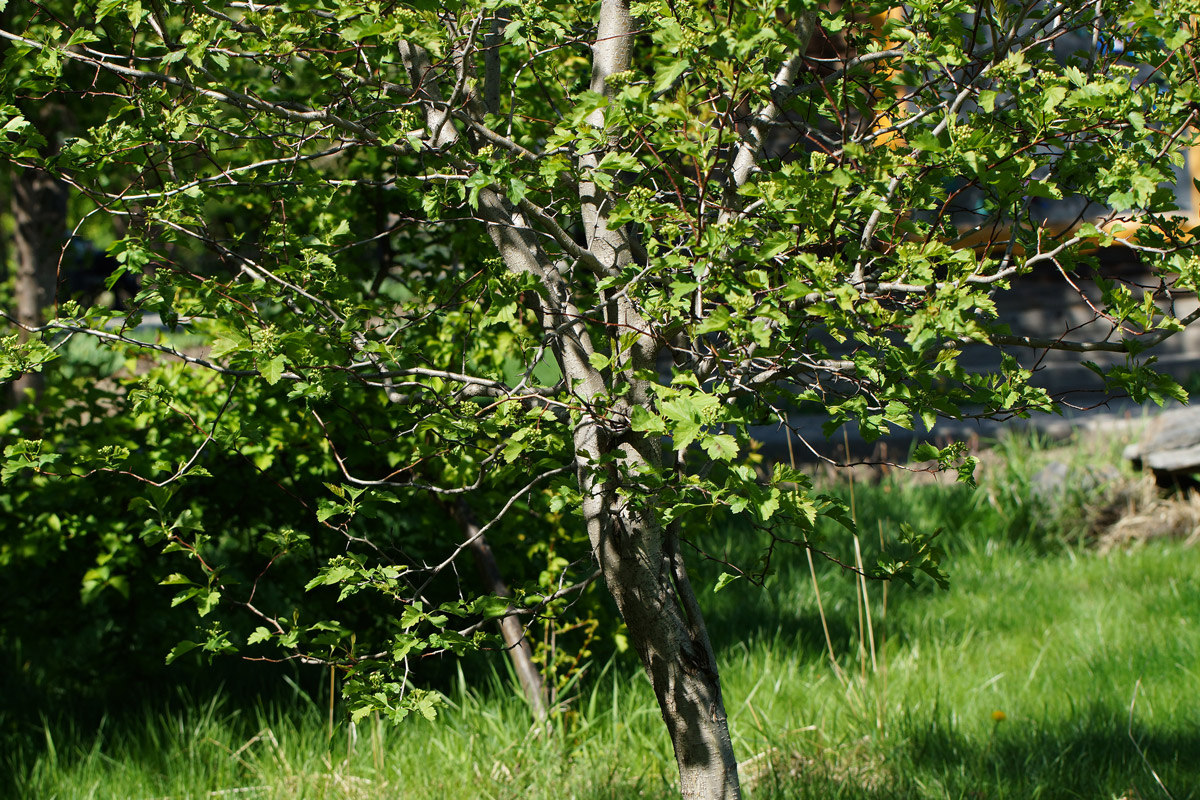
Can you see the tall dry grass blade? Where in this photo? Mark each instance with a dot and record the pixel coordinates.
(812, 571)
(862, 579)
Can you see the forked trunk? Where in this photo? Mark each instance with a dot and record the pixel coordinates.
(645, 575)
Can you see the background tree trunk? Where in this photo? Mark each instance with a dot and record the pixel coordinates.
(39, 208)
(520, 653)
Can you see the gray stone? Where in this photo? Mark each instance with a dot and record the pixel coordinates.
(1170, 445)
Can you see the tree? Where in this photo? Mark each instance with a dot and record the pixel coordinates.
(557, 257)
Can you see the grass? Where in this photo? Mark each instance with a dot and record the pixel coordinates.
(1048, 670)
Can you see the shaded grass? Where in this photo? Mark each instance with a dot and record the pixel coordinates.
(1092, 660)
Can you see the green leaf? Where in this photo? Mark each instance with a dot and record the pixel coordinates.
(411, 615)
(406, 643)
(721, 447)
(427, 706)
(229, 343)
(181, 649)
(684, 432)
(106, 7)
(926, 452)
(173, 57)
(260, 634)
(272, 370)
(644, 421)
(724, 580)
(897, 413)
(926, 140)
(769, 505)
(666, 75)
(208, 601)
(490, 606)
(1052, 96)
(717, 320)
(331, 575)
(81, 36)
(619, 160)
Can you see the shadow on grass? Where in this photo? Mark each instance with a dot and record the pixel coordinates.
(786, 607)
(1091, 755)
(786, 611)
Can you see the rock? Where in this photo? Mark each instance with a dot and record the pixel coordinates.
(1053, 481)
(1170, 446)
(1184, 459)
(1050, 481)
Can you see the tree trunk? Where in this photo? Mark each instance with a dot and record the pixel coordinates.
(641, 563)
(515, 641)
(4, 239)
(642, 567)
(645, 575)
(39, 207)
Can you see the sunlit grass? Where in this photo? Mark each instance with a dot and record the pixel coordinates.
(1048, 670)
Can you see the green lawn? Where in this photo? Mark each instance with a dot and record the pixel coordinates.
(1046, 671)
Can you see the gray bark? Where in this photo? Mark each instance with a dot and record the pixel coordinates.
(751, 147)
(610, 55)
(426, 83)
(645, 574)
(642, 566)
(492, 77)
(4, 239)
(39, 207)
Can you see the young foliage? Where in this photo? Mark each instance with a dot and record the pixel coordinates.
(554, 260)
